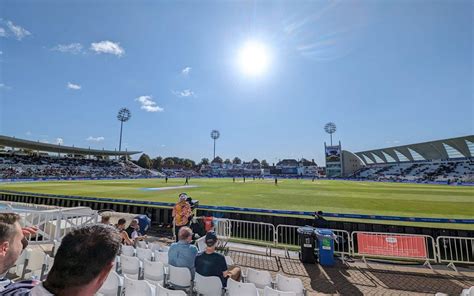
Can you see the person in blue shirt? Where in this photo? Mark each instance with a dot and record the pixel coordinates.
(210, 263)
(182, 253)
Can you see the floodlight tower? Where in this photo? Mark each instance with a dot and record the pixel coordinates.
(123, 115)
(215, 135)
(330, 128)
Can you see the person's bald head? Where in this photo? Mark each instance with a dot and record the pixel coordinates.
(185, 234)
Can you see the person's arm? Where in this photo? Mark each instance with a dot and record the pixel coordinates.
(126, 239)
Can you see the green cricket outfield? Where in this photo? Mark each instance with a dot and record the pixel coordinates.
(374, 198)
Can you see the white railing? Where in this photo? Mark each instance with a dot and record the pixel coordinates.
(455, 250)
(53, 223)
(397, 246)
(247, 231)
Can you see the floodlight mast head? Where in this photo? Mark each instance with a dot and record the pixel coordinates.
(123, 115)
(215, 134)
(330, 128)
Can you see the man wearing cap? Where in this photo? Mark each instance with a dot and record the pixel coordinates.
(210, 263)
(181, 213)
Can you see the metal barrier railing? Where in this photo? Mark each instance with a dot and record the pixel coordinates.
(455, 250)
(253, 231)
(56, 223)
(402, 246)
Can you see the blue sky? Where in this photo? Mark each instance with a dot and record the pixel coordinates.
(386, 72)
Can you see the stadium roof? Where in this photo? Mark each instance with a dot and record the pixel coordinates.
(461, 147)
(55, 148)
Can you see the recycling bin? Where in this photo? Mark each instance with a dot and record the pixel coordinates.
(325, 241)
(308, 244)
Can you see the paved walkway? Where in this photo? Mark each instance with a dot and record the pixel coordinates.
(358, 278)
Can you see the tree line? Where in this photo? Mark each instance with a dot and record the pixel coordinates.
(159, 162)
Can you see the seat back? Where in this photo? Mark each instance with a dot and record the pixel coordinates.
(229, 260)
(137, 287)
(128, 250)
(235, 288)
(284, 283)
(112, 286)
(208, 285)
(154, 247)
(261, 278)
(34, 264)
(130, 265)
(162, 257)
(161, 291)
(143, 254)
(153, 270)
(142, 244)
(179, 276)
(267, 291)
(201, 244)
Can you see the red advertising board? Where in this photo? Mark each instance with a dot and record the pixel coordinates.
(391, 245)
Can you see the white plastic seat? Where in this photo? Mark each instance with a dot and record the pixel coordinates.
(267, 291)
(49, 262)
(154, 247)
(165, 249)
(34, 264)
(19, 264)
(154, 272)
(128, 250)
(161, 291)
(180, 277)
(229, 260)
(162, 257)
(287, 284)
(130, 266)
(143, 254)
(134, 287)
(142, 244)
(468, 292)
(113, 285)
(207, 285)
(235, 288)
(201, 244)
(261, 278)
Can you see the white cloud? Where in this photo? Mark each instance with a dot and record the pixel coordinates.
(95, 139)
(148, 104)
(73, 86)
(108, 47)
(59, 141)
(73, 48)
(18, 31)
(184, 93)
(186, 71)
(4, 86)
(3, 33)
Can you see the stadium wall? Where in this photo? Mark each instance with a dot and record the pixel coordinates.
(162, 214)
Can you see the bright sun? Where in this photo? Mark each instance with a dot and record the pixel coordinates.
(253, 58)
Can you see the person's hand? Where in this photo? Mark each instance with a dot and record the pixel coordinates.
(226, 273)
(29, 230)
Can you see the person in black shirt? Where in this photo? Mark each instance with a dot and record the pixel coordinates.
(319, 221)
(210, 263)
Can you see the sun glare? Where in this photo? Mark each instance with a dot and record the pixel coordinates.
(253, 58)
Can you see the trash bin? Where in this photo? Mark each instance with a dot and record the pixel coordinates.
(325, 242)
(308, 244)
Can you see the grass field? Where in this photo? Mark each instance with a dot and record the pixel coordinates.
(415, 200)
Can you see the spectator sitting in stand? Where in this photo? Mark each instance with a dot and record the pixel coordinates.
(12, 244)
(121, 228)
(133, 231)
(210, 263)
(182, 253)
(105, 219)
(82, 263)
